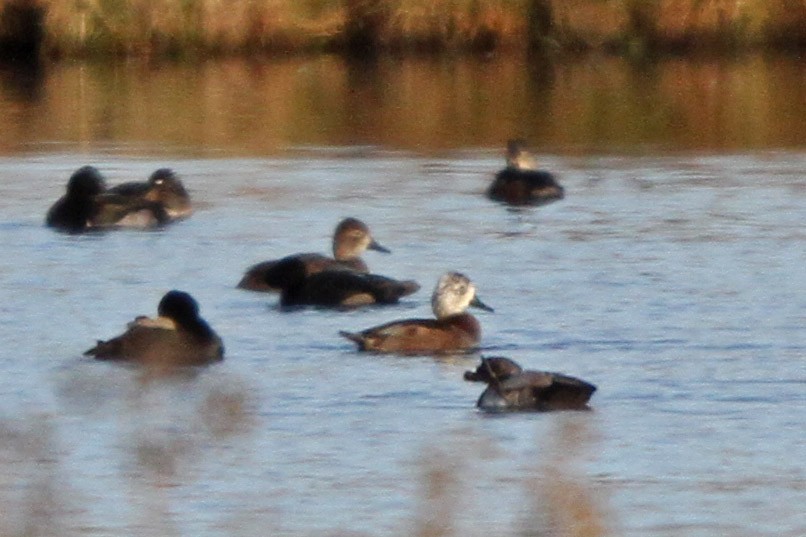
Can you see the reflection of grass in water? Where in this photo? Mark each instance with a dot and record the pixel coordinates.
(32, 493)
(162, 447)
(563, 504)
(167, 449)
(37, 500)
(440, 500)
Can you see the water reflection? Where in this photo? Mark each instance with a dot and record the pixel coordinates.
(424, 104)
(669, 281)
(21, 82)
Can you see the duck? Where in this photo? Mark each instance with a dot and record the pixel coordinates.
(338, 287)
(510, 388)
(351, 238)
(74, 211)
(453, 329)
(163, 187)
(177, 337)
(88, 205)
(520, 183)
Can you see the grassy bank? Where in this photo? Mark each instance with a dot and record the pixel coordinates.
(195, 27)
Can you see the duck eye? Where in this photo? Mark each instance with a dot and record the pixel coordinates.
(159, 181)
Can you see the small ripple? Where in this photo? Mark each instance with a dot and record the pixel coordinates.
(734, 347)
(621, 344)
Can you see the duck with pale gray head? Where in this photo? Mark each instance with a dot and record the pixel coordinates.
(453, 329)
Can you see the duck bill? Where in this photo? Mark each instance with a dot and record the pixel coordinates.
(374, 245)
(472, 376)
(476, 303)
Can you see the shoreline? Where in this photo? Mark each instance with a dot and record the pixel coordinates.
(71, 29)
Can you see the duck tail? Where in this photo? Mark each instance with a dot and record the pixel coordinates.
(354, 337)
(408, 287)
(97, 350)
(105, 350)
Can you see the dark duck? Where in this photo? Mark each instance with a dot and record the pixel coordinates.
(177, 337)
(510, 388)
(88, 205)
(338, 287)
(520, 183)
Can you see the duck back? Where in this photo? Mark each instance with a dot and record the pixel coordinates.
(159, 346)
(538, 391)
(521, 187)
(346, 288)
(274, 275)
(420, 336)
(71, 215)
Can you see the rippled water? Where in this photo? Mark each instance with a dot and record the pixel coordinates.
(674, 281)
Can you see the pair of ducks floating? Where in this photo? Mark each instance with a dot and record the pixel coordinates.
(89, 205)
(343, 281)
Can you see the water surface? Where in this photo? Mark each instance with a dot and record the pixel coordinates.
(672, 277)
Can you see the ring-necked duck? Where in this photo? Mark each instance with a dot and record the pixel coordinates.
(75, 210)
(338, 287)
(87, 205)
(178, 337)
(510, 388)
(163, 187)
(350, 239)
(520, 183)
(453, 329)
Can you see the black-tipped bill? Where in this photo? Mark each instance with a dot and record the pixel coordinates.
(476, 303)
(378, 248)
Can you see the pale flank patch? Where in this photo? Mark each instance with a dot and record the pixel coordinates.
(158, 322)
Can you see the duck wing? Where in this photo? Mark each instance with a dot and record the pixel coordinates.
(414, 336)
(153, 345)
(276, 274)
(115, 210)
(347, 288)
(525, 187)
(133, 189)
(548, 391)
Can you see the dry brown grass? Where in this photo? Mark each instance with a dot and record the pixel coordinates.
(171, 28)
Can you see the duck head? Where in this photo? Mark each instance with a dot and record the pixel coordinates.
(453, 294)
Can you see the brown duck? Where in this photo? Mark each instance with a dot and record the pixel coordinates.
(178, 337)
(452, 330)
(350, 239)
